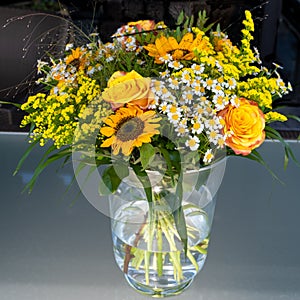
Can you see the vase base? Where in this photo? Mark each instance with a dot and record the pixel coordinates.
(158, 291)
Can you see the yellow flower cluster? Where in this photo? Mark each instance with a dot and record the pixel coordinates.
(273, 116)
(55, 116)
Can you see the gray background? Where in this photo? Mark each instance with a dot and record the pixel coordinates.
(55, 248)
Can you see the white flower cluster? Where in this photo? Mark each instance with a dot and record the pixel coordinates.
(125, 36)
(191, 101)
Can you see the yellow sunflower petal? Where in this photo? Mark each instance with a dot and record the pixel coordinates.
(127, 147)
(108, 142)
(107, 131)
(188, 56)
(152, 50)
(116, 148)
(162, 45)
(173, 43)
(108, 121)
(186, 41)
(177, 55)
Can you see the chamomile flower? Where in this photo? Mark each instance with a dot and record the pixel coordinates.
(209, 83)
(69, 46)
(164, 74)
(174, 83)
(40, 65)
(198, 69)
(220, 101)
(187, 96)
(181, 129)
(231, 83)
(234, 100)
(164, 107)
(176, 65)
(213, 136)
(213, 123)
(167, 58)
(193, 143)
(197, 126)
(217, 89)
(208, 156)
(174, 118)
(197, 86)
(186, 77)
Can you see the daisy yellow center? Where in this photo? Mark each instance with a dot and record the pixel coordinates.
(129, 128)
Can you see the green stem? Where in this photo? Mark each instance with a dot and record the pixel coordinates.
(159, 256)
(147, 265)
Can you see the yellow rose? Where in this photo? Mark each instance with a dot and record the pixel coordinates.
(121, 76)
(244, 126)
(130, 88)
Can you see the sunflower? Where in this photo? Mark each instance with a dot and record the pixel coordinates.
(76, 58)
(129, 127)
(184, 50)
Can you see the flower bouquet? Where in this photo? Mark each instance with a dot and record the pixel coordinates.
(154, 113)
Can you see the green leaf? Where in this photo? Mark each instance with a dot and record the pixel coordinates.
(18, 105)
(44, 162)
(180, 18)
(147, 154)
(191, 21)
(274, 134)
(24, 156)
(296, 118)
(179, 214)
(112, 179)
(168, 160)
(186, 23)
(144, 179)
(254, 155)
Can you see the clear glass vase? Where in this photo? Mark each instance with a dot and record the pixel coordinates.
(160, 246)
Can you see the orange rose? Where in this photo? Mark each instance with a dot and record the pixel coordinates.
(143, 25)
(244, 126)
(131, 88)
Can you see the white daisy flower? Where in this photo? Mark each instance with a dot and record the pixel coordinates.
(174, 118)
(186, 77)
(176, 65)
(187, 97)
(217, 89)
(166, 58)
(231, 83)
(181, 129)
(220, 101)
(209, 83)
(198, 87)
(193, 143)
(208, 156)
(40, 65)
(69, 46)
(198, 69)
(234, 100)
(173, 83)
(165, 74)
(164, 107)
(197, 126)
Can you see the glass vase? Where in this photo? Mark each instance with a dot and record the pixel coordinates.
(161, 245)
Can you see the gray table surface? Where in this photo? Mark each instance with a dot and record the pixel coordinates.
(55, 248)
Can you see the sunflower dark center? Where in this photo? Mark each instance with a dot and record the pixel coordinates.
(129, 128)
(75, 62)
